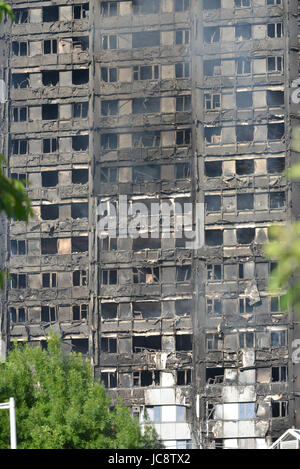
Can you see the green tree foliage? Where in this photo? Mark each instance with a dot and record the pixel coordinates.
(284, 247)
(59, 405)
(5, 8)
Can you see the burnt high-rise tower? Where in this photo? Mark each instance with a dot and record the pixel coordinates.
(183, 101)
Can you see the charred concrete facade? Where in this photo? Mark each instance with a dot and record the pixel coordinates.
(172, 101)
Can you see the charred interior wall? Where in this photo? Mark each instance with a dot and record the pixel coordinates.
(170, 100)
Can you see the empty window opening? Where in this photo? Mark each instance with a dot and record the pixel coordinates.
(109, 75)
(80, 44)
(145, 243)
(183, 307)
(80, 278)
(213, 169)
(50, 77)
(49, 178)
(243, 32)
(183, 273)
(183, 342)
(182, 70)
(244, 99)
(109, 244)
(274, 30)
(147, 309)
(80, 77)
(183, 137)
(151, 342)
(246, 340)
(244, 306)
(49, 280)
(243, 65)
(80, 244)
(244, 133)
(49, 212)
(50, 13)
(211, 34)
(279, 409)
(278, 339)
(19, 147)
(80, 110)
(275, 131)
(80, 346)
(277, 200)
(18, 247)
(109, 276)
(49, 245)
(109, 41)
(80, 11)
(48, 314)
(80, 176)
(145, 7)
(274, 64)
(80, 142)
(110, 107)
(145, 105)
(19, 48)
(275, 165)
(80, 210)
(214, 271)
(275, 98)
(212, 67)
(146, 275)
(145, 72)
(146, 378)
(244, 167)
(20, 80)
(245, 235)
(146, 173)
(212, 135)
(213, 203)
(146, 139)
(109, 310)
(213, 307)
(184, 103)
(19, 114)
(109, 380)
(145, 39)
(108, 345)
(50, 145)
(215, 375)
(183, 377)
(50, 111)
(18, 281)
(242, 3)
(50, 46)
(108, 174)
(109, 8)
(182, 36)
(212, 101)
(109, 141)
(182, 171)
(17, 315)
(21, 15)
(213, 237)
(214, 341)
(182, 5)
(279, 374)
(245, 201)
